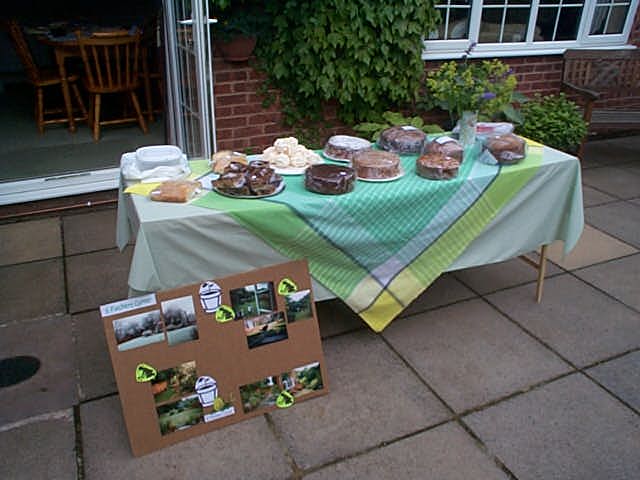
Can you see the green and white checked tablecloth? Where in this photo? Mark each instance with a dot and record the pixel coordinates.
(378, 247)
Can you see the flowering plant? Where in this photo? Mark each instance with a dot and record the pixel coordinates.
(485, 87)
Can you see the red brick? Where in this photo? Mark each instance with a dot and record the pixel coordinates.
(222, 112)
(248, 132)
(232, 122)
(235, 99)
(222, 88)
(230, 76)
(257, 75)
(247, 109)
(278, 129)
(246, 86)
(263, 118)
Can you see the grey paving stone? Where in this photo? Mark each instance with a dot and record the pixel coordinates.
(569, 429)
(592, 197)
(622, 377)
(610, 152)
(335, 318)
(241, 451)
(373, 398)
(445, 290)
(445, 453)
(496, 276)
(620, 219)
(94, 364)
(39, 450)
(53, 387)
(30, 240)
(636, 201)
(88, 232)
(618, 278)
(97, 278)
(578, 321)
(614, 181)
(32, 290)
(471, 355)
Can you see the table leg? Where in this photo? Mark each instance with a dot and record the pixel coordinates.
(542, 270)
(60, 58)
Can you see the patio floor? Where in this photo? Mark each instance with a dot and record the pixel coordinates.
(475, 381)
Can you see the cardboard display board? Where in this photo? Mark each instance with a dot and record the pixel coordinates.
(200, 357)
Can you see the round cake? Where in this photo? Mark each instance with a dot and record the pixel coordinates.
(376, 164)
(406, 139)
(507, 149)
(448, 146)
(436, 166)
(329, 179)
(344, 147)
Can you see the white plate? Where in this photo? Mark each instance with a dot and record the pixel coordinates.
(290, 170)
(335, 159)
(251, 197)
(390, 179)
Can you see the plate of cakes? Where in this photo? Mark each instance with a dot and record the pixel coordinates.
(377, 166)
(287, 157)
(342, 148)
(255, 180)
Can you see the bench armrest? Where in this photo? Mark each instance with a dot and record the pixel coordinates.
(585, 92)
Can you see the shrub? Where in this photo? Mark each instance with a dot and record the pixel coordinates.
(553, 120)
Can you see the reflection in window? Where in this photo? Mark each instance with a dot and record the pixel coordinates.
(609, 17)
(454, 16)
(558, 20)
(504, 21)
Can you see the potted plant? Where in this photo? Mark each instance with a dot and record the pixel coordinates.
(239, 25)
(469, 91)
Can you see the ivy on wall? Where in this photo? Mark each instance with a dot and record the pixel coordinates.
(364, 54)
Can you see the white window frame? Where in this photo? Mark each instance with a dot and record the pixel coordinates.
(451, 49)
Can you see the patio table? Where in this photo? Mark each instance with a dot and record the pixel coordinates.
(378, 247)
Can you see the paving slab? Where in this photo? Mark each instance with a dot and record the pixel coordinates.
(94, 279)
(591, 197)
(445, 453)
(613, 181)
(89, 232)
(471, 355)
(30, 240)
(621, 376)
(30, 290)
(42, 449)
(373, 398)
(569, 429)
(497, 276)
(53, 387)
(620, 219)
(609, 152)
(581, 323)
(444, 291)
(241, 451)
(94, 364)
(618, 278)
(336, 318)
(593, 247)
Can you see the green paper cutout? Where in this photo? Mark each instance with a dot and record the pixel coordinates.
(287, 286)
(145, 373)
(285, 400)
(225, 314)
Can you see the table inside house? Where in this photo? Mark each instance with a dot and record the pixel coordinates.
(378, 247)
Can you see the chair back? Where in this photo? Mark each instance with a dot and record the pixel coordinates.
(22, 49)
(110, 61)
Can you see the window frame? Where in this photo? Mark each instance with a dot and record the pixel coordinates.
(451, 49)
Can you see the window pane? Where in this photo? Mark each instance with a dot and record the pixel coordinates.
(617, 18)
(599, 19)
(515, 28)
(546, 23)
(490, 25)
(568, 23)
(454, 20)
(458, 23)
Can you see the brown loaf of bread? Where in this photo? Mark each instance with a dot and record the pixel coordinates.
(329, 179)
(436, 166)
(507, 149)
(447, 146)
(376, 164)
(176, 191)
(402, 140)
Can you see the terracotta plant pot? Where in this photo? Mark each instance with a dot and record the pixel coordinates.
(238, 49)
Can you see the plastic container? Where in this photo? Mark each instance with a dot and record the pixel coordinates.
(158, 156)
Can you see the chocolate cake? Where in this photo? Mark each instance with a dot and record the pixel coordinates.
(436, 166)
(507, 149)
(376, 164)
(255, 179)
(344, 147)
(329, 179)
(448, 146)
(402, 140)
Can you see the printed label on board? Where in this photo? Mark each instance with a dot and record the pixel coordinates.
(127, 305)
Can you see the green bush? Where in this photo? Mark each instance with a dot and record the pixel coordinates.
(553, 120)
(365, 54)
(374, 127)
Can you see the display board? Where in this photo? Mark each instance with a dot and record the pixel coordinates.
(200, 357)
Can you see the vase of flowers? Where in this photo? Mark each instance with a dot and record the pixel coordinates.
(472, 90)
(467, 128)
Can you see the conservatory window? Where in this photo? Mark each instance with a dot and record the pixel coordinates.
(609, 17)
(455, 15)
(558, 20)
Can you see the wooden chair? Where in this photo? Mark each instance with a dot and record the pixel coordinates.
(42, 79)
(152, 68)
(111, 67)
